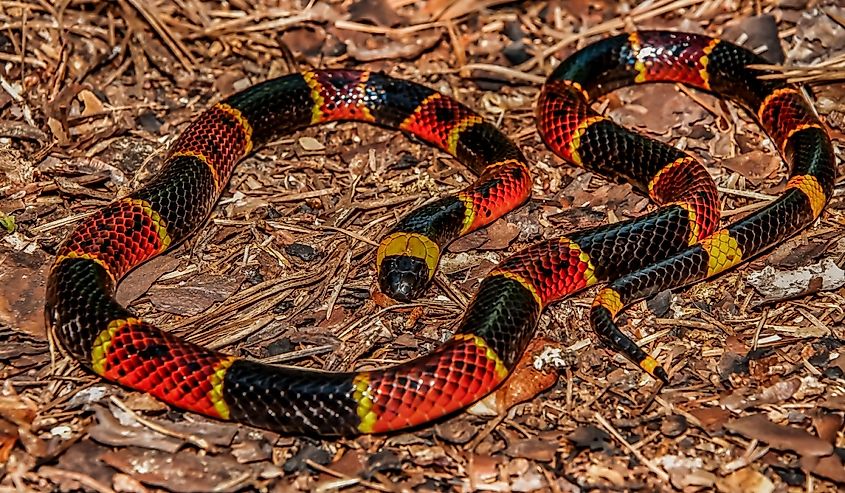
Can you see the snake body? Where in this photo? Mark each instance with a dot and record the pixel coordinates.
(677, 243)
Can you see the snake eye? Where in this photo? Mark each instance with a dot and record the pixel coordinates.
(403, 277)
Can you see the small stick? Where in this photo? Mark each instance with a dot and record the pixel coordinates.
(344, 477)
(660, 473)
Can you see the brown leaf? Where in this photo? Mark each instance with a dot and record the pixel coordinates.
(500, 234)
(109, 431)
(405, 48)
(350, 464)
(827, 425)
(73, 187)
(830, 467)
(83, 457)
(252, 451)
(754, 166)
(93, 105)
(183, 472)
(483, 471)
(532, 448)
(8, 438)
(835, 402)
(139, 280)
(194, 296)
(773, 394)
(444, 10)
(458, 430)
(376, 12)
(526, 381)
(758, 427)
(17, 410)
(34, 446)
(747, 480)
(759, 34)
(23, 281)
(472, 241)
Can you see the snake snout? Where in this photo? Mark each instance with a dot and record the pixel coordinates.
(403, 277)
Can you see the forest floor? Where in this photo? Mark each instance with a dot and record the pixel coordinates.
(92, 93)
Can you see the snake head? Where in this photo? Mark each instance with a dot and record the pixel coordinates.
(406, 262)
(403, 277)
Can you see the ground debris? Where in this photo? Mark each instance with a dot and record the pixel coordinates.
(93, 93)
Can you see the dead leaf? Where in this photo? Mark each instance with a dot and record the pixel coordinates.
(83, 457)
(830, 467)
(834, 402)
(483, 473)
(252, 451)
(109, 431)
(458, 431)
(759, 34)
(590, 437)
(134, 285)
(23, 281)
(93, 105)
(389, 49)
(8, 438)
(758, 427)
(711, 418)
(777, 284)
(184, 472)
(195, 295)
(533, 449)
(377, 12)
(773, 394)
(500, 234)
(755, 166)
(310, 144)
(597, 472)
(827, 425)
(536, 371)
(747, 480)
(58, 131)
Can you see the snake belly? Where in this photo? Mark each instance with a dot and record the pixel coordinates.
(502, 316)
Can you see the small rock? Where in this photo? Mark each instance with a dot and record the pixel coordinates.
(516, 53)
(281, 346)
(311, 144)
(150, 122)
(253, 276)
(302, 251)
(590, 437)
(513, 30)
(660, 303)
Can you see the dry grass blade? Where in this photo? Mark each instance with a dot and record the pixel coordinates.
(607, 27)
(822, 73)
(152, 15)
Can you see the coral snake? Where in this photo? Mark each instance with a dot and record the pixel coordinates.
(676, 244)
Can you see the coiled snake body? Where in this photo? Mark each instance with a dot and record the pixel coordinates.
(676, 244)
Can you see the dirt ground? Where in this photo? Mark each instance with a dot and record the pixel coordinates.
(93, 92)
